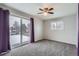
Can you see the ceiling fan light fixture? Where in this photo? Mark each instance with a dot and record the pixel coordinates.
(45, 13)
(46, 10)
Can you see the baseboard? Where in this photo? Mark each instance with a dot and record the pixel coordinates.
(61, 42)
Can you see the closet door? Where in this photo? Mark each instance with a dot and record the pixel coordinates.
(25, 31)
(15, 31)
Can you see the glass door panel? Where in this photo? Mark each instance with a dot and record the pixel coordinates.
(25, 31)
(15, 37)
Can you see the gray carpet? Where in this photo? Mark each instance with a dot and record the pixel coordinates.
(44, 48)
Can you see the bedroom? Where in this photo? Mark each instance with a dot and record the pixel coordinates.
(35, 31)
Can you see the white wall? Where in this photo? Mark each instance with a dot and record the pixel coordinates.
(38, 26)
(68, 35)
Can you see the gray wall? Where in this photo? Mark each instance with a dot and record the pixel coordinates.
(68, 35)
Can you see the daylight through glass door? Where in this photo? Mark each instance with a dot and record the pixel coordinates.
(19, 31)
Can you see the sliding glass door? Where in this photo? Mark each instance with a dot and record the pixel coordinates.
(19, 31)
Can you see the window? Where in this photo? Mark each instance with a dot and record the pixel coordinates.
(59, 25)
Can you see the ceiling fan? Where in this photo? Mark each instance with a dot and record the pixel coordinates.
(46, 11)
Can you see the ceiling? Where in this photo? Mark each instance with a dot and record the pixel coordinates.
(60, 9)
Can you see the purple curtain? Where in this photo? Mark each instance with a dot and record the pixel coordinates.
(4, 30)
(32, 30)
(78, 29)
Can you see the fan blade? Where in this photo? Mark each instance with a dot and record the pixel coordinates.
(51, 9)
(50, 12)
(41, 9)
(40, 12)
(46, 9)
